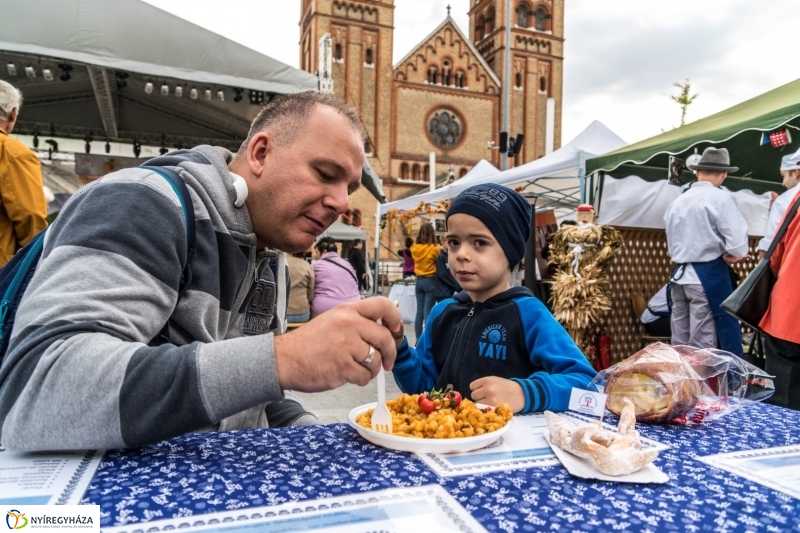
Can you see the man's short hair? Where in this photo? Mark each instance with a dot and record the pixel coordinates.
(10, 98)
(712, 173)
(356, 242)
(286, 115)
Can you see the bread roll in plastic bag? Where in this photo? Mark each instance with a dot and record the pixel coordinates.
(682, 384)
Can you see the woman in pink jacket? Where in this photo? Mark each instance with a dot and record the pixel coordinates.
(334, 278)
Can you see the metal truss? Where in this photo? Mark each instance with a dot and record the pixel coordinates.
(147, 138)
(105, 91)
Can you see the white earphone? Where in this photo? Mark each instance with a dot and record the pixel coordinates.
(240, 186)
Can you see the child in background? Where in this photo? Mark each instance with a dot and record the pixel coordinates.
(408, 261)
(494, 343)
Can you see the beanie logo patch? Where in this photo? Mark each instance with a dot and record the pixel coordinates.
(493, 197)
(495, 347)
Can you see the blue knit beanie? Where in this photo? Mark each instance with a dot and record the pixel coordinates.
(504, 211)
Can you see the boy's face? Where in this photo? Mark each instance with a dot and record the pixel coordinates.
(475, 257)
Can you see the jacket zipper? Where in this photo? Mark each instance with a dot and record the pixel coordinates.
(460, 341)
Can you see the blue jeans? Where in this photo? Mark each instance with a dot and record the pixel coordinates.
(425, 300)
(305, 317)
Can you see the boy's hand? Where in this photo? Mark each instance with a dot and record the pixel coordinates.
(492, 391)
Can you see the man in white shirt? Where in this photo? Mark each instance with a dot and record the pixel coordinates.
(705, 233)
(790, 172)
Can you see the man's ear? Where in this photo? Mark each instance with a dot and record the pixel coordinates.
(260, 149)
(12, 118)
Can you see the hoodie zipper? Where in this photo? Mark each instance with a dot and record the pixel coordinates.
(458, 345)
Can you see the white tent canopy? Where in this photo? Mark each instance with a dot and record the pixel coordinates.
(634, 202)
(482, 169)
(342, 232)
(131, 35)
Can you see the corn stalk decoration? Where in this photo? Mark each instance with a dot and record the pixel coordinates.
(580, 288)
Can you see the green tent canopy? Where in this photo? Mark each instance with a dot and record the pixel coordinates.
(739, 129)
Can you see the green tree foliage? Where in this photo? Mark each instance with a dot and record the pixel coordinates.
(683, 99)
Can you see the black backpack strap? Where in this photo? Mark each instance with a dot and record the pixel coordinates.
(187, 206)
(329, 260)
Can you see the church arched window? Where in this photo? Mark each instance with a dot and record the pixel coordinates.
(355, 217)
(460, 79)
(543, 84)
(337, 52)
(480, 29)
(426, 171)
(522, 16)
(404, 171)
(347, 217)
(541, 22)
(415, 172)
(368, 56)
(462, 172)
(490, 21)
(433, 74)
(518, 80)
(446, 75)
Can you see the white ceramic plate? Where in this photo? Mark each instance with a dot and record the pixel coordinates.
(417, 445)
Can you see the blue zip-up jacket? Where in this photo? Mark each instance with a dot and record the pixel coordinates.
(511, 335)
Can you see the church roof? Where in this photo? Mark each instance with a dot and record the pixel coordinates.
(449, 20)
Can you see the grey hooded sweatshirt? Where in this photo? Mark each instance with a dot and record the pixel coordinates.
(79, 372)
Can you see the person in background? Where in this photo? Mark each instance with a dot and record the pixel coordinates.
(782, 334)
(356, 259)
(705, 233)
(494, 343)
(335, 279)
(446, 284)
(790, 172)
(301, 275)
(23, 207)
(408, 260)
(424, 252)
(656, 318)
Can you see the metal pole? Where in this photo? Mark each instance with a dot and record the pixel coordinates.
(506, 77)
(376, 272)
(432, 170)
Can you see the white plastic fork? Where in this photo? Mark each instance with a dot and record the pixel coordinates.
(381, 417)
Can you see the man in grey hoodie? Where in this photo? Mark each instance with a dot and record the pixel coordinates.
(81, 371)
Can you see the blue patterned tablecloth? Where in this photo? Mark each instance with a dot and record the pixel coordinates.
(202, 473)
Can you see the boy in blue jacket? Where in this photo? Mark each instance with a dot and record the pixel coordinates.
(494, 343)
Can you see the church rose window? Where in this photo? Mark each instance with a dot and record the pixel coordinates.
(445, 128)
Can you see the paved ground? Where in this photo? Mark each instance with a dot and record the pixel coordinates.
(333, 406)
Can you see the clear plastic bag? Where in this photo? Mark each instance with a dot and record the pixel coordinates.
(682, 384)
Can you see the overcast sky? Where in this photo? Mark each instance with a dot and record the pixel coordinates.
(621, 56)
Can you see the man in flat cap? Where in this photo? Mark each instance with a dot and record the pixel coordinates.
(790, 172)
(705, 233)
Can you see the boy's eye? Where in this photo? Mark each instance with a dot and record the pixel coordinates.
(452, 242)
(480, 243)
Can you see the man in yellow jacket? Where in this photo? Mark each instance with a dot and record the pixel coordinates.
(23, 207)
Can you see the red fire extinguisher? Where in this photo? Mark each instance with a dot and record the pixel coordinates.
(604, 348)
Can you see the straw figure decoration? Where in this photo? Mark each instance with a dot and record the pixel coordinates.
(580, 288)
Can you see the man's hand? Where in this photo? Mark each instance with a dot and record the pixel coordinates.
(761, 254)
(731, 259)
(493, 391)
(328, 351)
